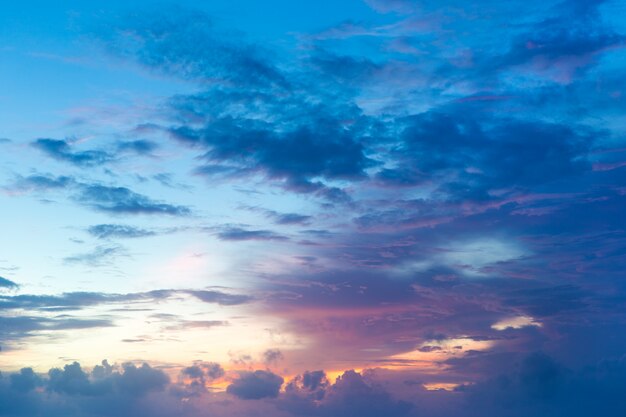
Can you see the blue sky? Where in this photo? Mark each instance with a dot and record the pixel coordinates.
(355, 208)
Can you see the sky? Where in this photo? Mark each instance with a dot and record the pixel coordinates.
(355, 208)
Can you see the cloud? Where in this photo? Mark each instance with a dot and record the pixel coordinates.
(322, 148)
(121, 200)
(39, 182)
(564, 46)
(139, 147)
(79, 300)
(209, 371)
(462, 141)
(196, 324)
(546, 301)
(118, 200)
(272, 356)
(541, 385)
(196, 378)
(27, 380)
(105, 231)
(62, 151)
(14, 328)
(515, 323)
(256, 385)
(138, 381)
(309, 386)
(219, 297)
(8, 284)
(535, 385)
(133, 382)
(73, 390)
(345, 69)
(351, 395)
(99, 256)
(196, 51)
(479, 159)
(291, 218)
(271, 123)
(281, 218)
(239, 234)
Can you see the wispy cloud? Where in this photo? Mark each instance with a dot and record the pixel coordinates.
(122, 200)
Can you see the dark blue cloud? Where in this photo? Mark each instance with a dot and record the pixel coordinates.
(62, 151)
(544, 301)
(256, 385)
(470, 157)
(239, 234)
(570, 40)
(311, 385)
(139, 146)
(121, 200)
(7, 283)
(277, 124)
(322, 148)
(346, 69)
(26, 380)
(542, 386)
(351, 395)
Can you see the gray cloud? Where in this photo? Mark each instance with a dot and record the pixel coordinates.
(256, 385)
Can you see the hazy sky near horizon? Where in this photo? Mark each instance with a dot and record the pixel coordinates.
(332, 208)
